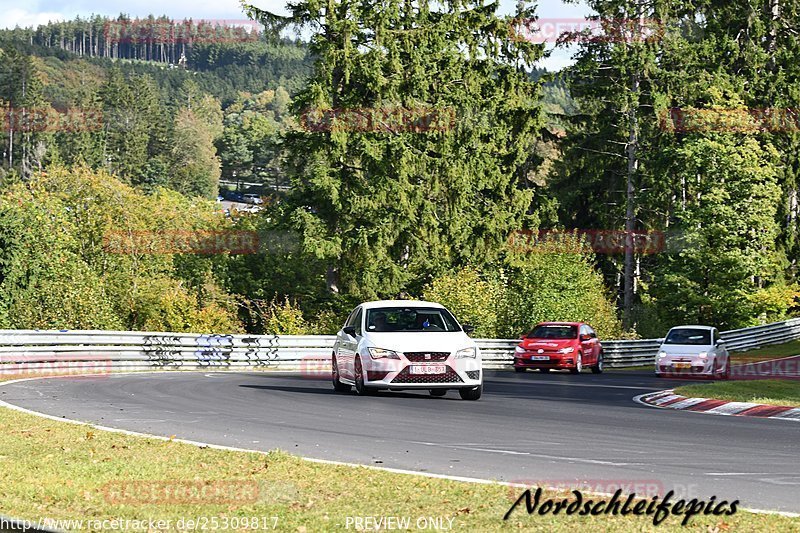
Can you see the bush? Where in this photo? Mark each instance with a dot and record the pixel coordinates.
(472, 298)
(328, 322)
(285, 318)
(542, 283)
(548, 284)
(164, 304)
(58, 268)
(279, 270)
(59, 295)
(774, 303)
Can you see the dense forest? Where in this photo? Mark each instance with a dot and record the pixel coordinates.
(124, 123)
(150, 123)
(223, 60)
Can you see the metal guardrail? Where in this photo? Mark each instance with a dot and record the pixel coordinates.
(616, 353)
(31, 350)
(758, 336)
(35, 351)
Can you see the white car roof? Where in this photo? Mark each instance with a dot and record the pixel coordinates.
(399, 303)
(693, 327)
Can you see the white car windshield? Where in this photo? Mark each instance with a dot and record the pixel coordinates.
(421, 319)
(698, 337)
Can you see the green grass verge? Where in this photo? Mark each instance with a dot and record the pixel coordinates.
(768, 391)
(769, 352)
(66, 471)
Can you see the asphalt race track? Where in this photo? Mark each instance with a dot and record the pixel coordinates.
(555, 428)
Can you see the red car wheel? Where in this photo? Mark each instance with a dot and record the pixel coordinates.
(578, 365)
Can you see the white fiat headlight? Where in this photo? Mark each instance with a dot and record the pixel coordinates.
(702, 355)
(466, 352)
(662, 355)
(380, 353)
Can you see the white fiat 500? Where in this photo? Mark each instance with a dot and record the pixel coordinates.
(405, 344)
(694, 351)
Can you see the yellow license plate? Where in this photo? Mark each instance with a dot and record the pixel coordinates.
(682, 365)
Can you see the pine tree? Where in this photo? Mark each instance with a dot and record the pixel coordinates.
(390, 199)
(612, 139)
(131, 113)
(733, 183)
(25, 110)
(631, 163)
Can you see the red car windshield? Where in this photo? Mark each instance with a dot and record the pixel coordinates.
(554, 331)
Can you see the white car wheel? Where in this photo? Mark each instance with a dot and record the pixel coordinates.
(471, 394)
(338, 386)
(361, 388)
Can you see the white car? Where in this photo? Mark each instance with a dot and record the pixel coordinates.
(253, 199)
(406, 344)
(693, 351)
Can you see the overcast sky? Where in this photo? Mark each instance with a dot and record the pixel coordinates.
(34, 12)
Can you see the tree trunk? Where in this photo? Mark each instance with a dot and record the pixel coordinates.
(630, 212)
(628, 277)
(11, 139)
(774, 9)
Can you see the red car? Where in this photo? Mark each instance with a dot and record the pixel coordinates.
(569, 346)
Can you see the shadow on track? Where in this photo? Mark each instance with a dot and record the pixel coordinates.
(421, 395)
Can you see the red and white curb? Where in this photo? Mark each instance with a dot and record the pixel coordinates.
(667, 399)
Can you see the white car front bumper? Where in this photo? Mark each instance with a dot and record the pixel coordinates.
(398, 374)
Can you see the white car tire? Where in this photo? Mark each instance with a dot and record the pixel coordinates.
(338, 386)
(472, 393)
(361, 388)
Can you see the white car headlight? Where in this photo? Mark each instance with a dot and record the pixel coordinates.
(467, 352)
(569, 349)
(703, 355)
(519, 349)
(380, 353)
(662, 355)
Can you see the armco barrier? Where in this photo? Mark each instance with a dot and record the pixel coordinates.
(33, 351)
